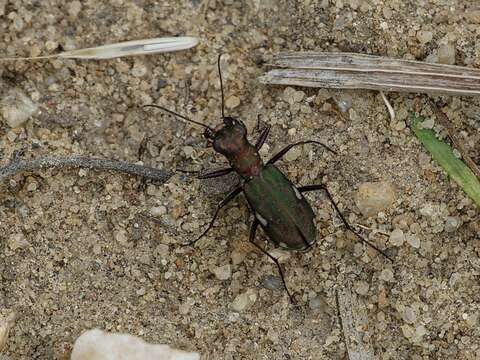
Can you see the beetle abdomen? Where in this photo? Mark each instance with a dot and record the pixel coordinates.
(282, 211)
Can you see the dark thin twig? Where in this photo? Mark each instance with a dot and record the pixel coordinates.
(452, 132)
(20, 166)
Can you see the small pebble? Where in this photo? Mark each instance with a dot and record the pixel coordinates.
(280, 254)
(232, 102)
(420, 331)
(428, 210)
(386, 275)
(97, 249)
(121, 237)
(222, 272)
(11, 136)
(158, 210)
(451, 224)
(32, 186)
(16, 108)
(141, 291)
(409, 315)
(331, 339)
(6, 324)
(446, 54)
(373, 197)
(413, 240)
(162, 250)
(382, 298)
(188, 151)
(139, 70)
(238, 257)
(244, 301)
(17, 241)
(344, 102)
(424, 36)
(428, 123)
(272, 282)
(292, 96)
(74, 8)
(318, 303)
(397, 238)
(361, 288)
(293, 154)
(407, 331)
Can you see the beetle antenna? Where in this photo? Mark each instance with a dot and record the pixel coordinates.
(221, 84)
(179, 115)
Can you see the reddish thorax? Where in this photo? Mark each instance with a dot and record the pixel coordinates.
(230, 139)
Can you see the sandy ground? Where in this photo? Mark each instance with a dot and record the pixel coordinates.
(76, 252)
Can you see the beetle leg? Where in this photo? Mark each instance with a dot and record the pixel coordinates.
(347, 225)
(262, 138)
(220, 205)
(208, 175)
(253, 230)
(215, 173)
(282, 152)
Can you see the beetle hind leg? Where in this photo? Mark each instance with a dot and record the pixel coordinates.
(253, 231)
(220, 205)
(347, 225)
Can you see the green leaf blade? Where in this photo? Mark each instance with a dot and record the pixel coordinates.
(443, 154)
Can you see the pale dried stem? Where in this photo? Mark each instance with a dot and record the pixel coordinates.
(21, 166)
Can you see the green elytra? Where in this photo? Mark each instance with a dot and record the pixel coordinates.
(278, 206)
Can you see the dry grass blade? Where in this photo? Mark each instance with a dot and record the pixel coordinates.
(357, 71)
(122, 49)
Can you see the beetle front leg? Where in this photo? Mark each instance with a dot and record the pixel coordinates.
(282, 152)
(220, 205)
(210, 174)
(262, 138)
(253, 231)
(215, 173)
(347, 225)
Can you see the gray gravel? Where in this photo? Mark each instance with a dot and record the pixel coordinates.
(77, 250)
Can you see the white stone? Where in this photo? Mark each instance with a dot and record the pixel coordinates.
(16, 108)
(373, 197)
(413, 240)
(446, 54)
(17, 241)
(98, 345)
(397, 237)
(386, 275)
(232, 102)
(158, 210)
(6, 324)
(244, 301)
(222, 272)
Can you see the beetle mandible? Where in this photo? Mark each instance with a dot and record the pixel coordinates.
(278, 206)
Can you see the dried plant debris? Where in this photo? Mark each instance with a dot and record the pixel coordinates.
(20, 166)
(354, 319)
(452, 133)
(444, 156)
(127, 48)
(359, 71)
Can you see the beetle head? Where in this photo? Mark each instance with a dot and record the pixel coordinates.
(230, 137)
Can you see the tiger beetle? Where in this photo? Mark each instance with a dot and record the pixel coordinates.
(278, 206)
